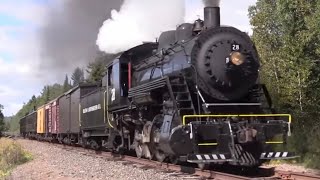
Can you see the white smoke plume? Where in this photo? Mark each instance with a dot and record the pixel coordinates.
(138, 21)
(211, 3)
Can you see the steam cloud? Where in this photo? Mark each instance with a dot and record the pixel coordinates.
(69, 37)
(211, 3)
(138, 21)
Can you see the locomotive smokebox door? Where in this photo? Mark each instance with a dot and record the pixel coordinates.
(117, 84)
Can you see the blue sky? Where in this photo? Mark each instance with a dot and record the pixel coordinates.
(20, 51)
(19, 21)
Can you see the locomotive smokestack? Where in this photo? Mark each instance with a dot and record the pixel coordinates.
(211, 13)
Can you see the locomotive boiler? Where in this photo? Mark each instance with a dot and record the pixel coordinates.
(192, 96)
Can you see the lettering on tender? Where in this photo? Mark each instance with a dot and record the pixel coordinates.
(92, 108)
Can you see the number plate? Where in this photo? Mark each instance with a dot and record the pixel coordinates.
(235, 47)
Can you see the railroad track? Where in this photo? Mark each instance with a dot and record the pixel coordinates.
(186, 172)
(294, 175)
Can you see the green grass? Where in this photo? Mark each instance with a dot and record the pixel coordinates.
(11, 155)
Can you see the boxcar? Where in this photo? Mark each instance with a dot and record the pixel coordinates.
(64, 109)
(28, 125)
(55, 116)
(74, 98)
(47, 119)
(41, 124)
(31, 122)
(23, 127)
(69, 118)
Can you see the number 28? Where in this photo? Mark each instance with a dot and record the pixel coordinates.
(235, 47)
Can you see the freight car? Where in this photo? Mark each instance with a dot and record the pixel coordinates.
(28, 125)
(69, 113)
(194, 96)
(23, 130)
(58, 120)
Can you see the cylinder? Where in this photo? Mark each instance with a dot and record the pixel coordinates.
(211, 17)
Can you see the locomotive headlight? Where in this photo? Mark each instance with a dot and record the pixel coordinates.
(237, 58)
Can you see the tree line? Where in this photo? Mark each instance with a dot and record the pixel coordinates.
(287, 35)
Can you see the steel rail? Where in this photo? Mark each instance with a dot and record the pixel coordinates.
(289, 175)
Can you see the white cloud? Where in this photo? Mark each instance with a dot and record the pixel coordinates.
(7, 92)
(12, 96)
(29, 12)
(12, 108)
(20, 77)
(8, 67)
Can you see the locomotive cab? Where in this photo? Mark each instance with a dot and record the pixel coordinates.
(120, 76)
(117, 83)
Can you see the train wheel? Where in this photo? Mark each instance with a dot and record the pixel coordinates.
(139, 150)
(94, 145)
(155, 136)
(84, 143)
(203, 166)
(174, 160)
(160, 156)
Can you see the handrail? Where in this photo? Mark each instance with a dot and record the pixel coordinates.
(236, 115)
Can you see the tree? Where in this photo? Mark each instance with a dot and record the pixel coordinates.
(77, 76)
(283, 38)
(286, 35)
(66, 85)
(7, 126)
(47, 94)
(2, 123)
(97, 68)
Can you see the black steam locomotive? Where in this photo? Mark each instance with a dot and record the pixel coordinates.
(192, 96)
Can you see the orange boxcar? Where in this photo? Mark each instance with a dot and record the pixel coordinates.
(41, 120)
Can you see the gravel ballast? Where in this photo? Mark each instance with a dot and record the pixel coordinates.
(51, 162)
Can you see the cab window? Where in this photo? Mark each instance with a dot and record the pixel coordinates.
(124, 79)
(118, 77)
(109, 75)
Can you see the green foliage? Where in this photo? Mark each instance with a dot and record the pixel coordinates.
(11, 154)
(286, 34)
(97, 68)
(66, 85)
(77, 76)
(2, 123)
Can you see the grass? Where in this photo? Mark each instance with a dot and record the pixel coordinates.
(11, 155)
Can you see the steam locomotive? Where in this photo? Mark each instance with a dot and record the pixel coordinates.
(193, 96)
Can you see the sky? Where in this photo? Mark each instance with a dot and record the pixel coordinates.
(20, 21)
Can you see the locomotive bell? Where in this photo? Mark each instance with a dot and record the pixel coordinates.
(198, 25)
